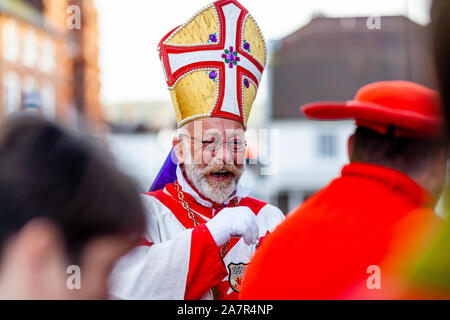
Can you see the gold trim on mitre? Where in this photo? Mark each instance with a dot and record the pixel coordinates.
(212, 72)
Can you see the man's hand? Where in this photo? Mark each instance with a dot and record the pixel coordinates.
(234, 222)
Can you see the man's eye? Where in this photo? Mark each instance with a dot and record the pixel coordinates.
(238, 142)
(208, 142)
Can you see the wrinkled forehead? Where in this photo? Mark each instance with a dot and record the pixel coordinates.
(216, 127)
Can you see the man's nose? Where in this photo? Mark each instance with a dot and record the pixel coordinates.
(225, 154)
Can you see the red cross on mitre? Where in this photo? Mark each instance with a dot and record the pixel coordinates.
(223, 55)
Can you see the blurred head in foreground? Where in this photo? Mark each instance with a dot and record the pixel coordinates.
(66, 213)
(423, 160)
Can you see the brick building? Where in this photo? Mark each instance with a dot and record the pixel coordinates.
(46, 64)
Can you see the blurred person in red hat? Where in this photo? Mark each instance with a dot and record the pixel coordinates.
(66, 213)
(352, 238)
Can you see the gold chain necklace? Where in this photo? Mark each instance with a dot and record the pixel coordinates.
(191, 214)
(185, 204)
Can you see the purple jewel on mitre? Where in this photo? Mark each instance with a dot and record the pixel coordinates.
(213, 75)
(246, 83)
(231, 57)
(213, 37)
(247, 46)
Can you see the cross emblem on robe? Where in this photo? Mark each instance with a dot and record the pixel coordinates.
(235, 65)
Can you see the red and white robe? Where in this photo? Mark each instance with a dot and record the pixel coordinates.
(179, 261)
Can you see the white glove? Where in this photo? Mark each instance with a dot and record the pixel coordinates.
(234, 222)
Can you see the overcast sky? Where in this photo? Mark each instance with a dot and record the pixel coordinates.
(131, 29)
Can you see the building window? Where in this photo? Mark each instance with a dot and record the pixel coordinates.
(11, 93)
(283, 201)
(327, 146)
(31, 99)
(30, 48)
(47, 62)
(11, 46)
(29, 85)
(48, 99)
(308, 194)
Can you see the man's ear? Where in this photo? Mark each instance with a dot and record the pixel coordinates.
(39, 249)
(38, 237)
(178, 149)
(350, 146)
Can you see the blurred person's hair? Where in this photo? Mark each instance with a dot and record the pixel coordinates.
(408, 155)
(47, 172)
(440, 25)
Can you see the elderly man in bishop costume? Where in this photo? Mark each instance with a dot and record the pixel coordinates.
(203, 228)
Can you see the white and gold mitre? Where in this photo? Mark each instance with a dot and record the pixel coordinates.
(214, 62)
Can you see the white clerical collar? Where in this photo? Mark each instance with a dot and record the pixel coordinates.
(240, 191)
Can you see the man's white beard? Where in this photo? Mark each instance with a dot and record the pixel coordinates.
(218, 193)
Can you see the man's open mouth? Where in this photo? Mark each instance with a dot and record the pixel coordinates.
(221, 175)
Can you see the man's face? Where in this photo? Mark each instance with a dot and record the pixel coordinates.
(98, 260)
(35, 265)
(212, 152)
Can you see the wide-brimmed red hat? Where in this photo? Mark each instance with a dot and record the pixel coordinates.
(414, 110)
